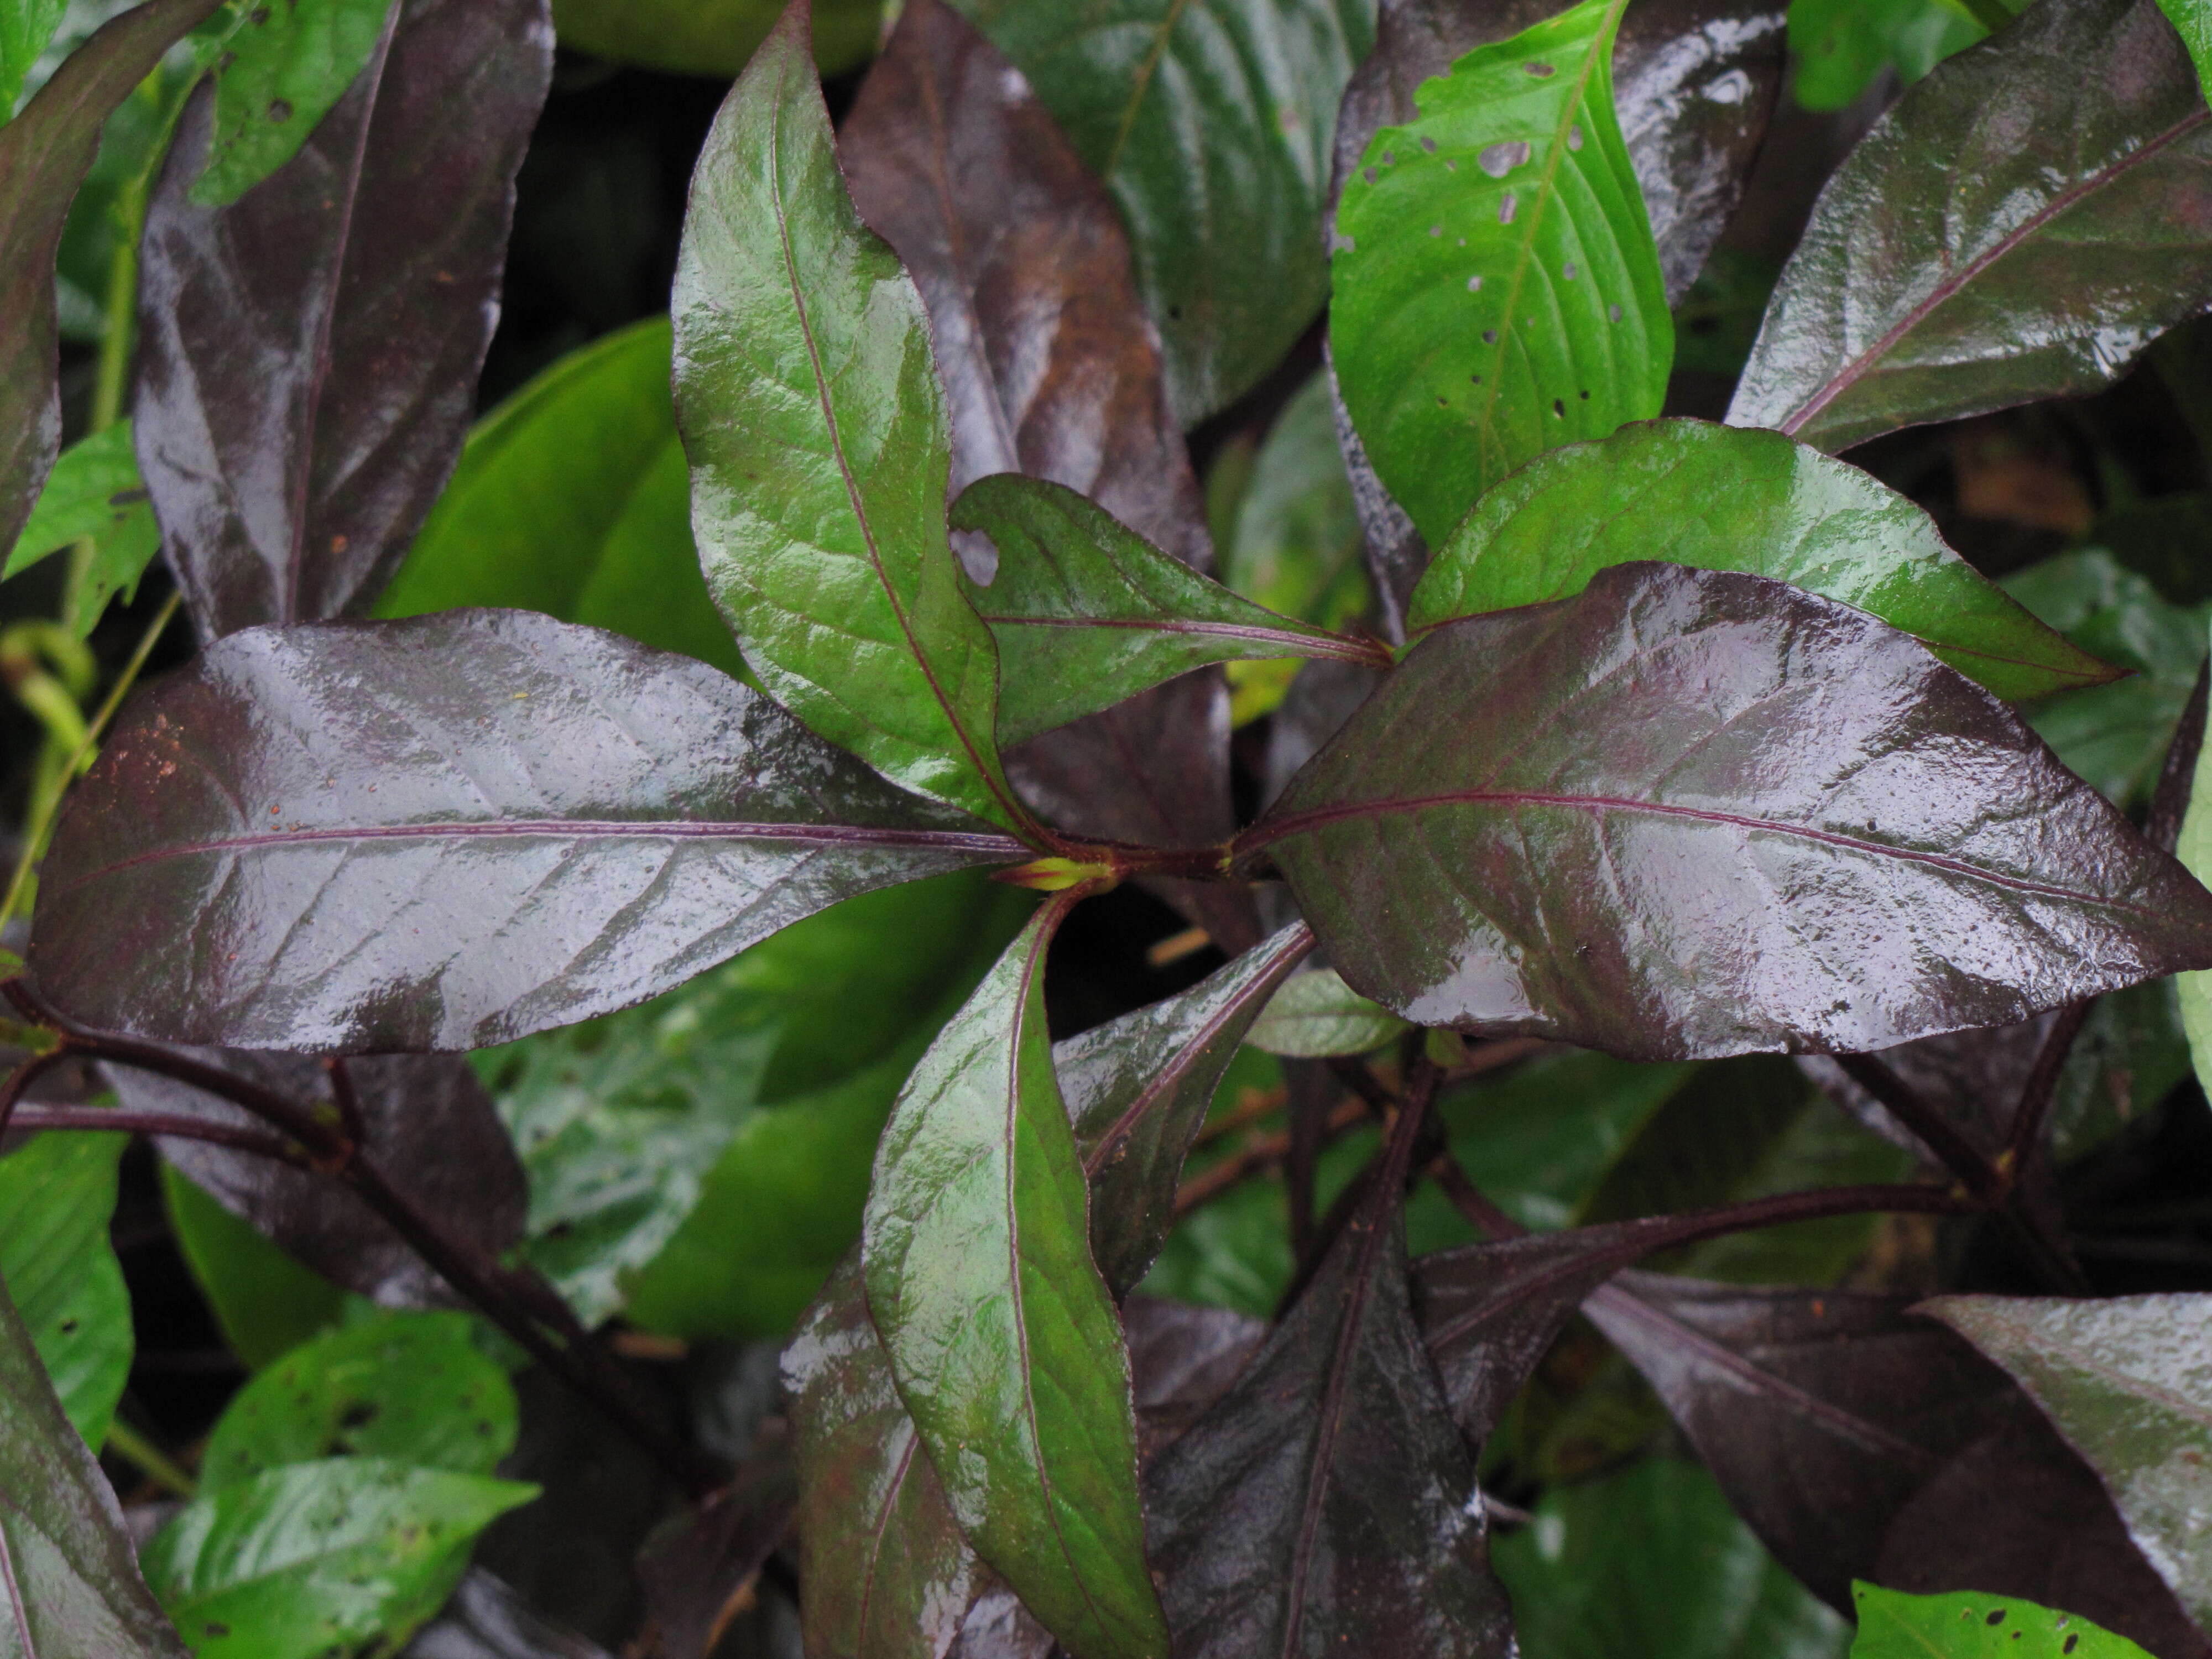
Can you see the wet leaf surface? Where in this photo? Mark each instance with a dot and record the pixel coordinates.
(308, 354)
(1968, 1626)
(1316, 1014)
(1815, 755)
(447, 832)
(2011, 229)
(59, 1194)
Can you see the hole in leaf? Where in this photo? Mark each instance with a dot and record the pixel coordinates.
(1570, 270)
(1997, 1617)
(1615, 313)
(68, 1328)
(1541, 71)
(1575, 136)
(1430, 145)
(1489, 337)
(1506, 208)
(1501, 158)
(1368, 173)
(1474, 285)
(1585, 396)
(1389, 158)
(1560, 408)
(280, 110)
(1436, 230)
(360, 1414)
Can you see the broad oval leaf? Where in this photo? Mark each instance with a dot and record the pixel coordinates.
(309, 354)
(447, 832)
(1495, 288)
(2020, 225)
(71, 1584)
(1967, 1624)
(1087, 612)
(1316, 1014)
(59, 1268)
(819, 453)
(1000, 1330)
(1720, 499)
(2128, 1382)
(1690, 813)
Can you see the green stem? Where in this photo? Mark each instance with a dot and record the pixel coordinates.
(127, 1443)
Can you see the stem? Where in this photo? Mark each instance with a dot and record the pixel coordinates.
(1260, 1153)
(1953, 1149)
(2041, 1092)
(111, 1119)
(2176, 776)
(127, 1443)
(11, 1092)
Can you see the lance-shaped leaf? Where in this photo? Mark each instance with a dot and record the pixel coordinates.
(1327, 1502)
(44, 154)
(1000, 1331)
(2192, 20)
(1720, 499)
(93, 493)
(1316, 1014)
(60, 1270)
(1495, 288)
(1967, 1624)
(817, 434)
(447, 832)
(25, 30)
(1691, 813)
(2129, 1384)
(2020, 225)
(70, 1583)
(309, 353)
(1087, 612)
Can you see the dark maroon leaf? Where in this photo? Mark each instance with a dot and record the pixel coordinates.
(1327, 1502)
(44, 154)
(1693, 813)
(309, 354)
(485, 1619)
(699, 1568)
(1051, 368)
(430, 1127)
(1183, 1358)
(447, 832)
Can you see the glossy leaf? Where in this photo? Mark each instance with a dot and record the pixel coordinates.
(25, 30)
(94, 492)
(2127, 1383)
(2192, 21)
(1087, 613)
(1842, 45)
(572, 498)
(2193, 991)
(411, 1388)
(1211, 125)
(1000, 1330)
(714, 38)
(266, 1303)
(1773, 753)
(72, 1583)
(283, 1563)
(58, 1194)
(701, 1569)
(2013, 228)
(1966, 1625)
(1717, 499)
(1651, 1560)
(1316, 1014)
(484, 1618)
(1497, 291)
(285, 64)
(44, 154)
(818, 448)
(455, 829)
(308, 354)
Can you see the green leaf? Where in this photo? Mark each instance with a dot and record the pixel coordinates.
(1720, 498)
(1650, 1560)
(819, 451)
(2129, 1382)
(572, 498)
(266, 1302)
(25, 26)
(61, 1530)
(284, 63)
(709, 37)
(1211, 122)
(1840, 46)
(57, 1192)
(1087, 613)
(1969, 1625)
(1718, 318)
(412, 1388)
(1495, 291)
(2192, 21)
(2193, 991)
(1001, 1334)
(94, 492)
(290, 1562)
(1316, 1014)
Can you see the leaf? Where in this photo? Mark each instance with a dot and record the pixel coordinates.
(2125, 1382)
(282, 1564)
(486, 1619)
(713, 38)
(1968, 1624)
(1327, 1502)
(1654, 491)
(1087, 613)
(1773, 753)
(280, 75)
(2193, 991)
(44, 154)
(25, 30)
(266, 1301)
(1495, 289)
(817, 436)
(93, 493)
(411, 1388)
(61, 1530)
(1210, 122)
(309, 353)
(584, 821)
(1138, 1089)
(701, 1569)
(58, 1192)
(1651, 1560)
(572, 498)
(1842, 45)
(2192, 21)
(2010, 230)
(1716, 322)
(1001, 1332)
(1316, 1014)
(1181, 1360)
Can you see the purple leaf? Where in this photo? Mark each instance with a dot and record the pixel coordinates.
(699, 1568)
(1692, 813)
(448, 832)
(310, 352)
